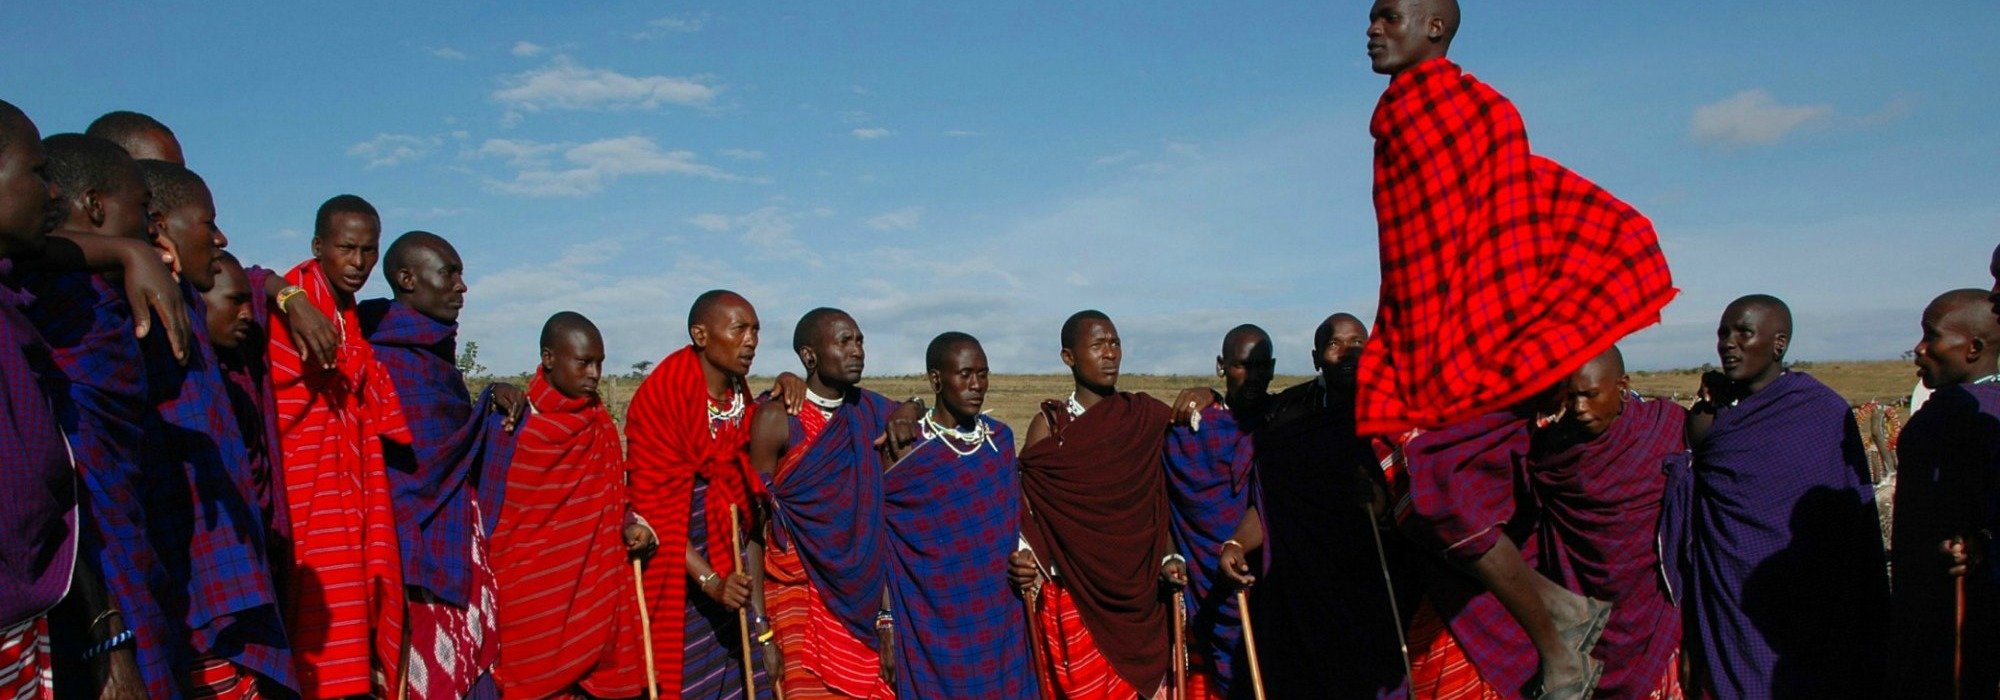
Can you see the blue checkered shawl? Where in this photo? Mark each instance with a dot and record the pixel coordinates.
(1211, 486)
(960, 631)
(829, 506)
(458, 450)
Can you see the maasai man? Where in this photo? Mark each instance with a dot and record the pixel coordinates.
(826, 558)
(1323, 586)
(88, 325)
(142, 136)
(1946, 460)
(1598, 477)
(954, 513)
(1502, 273)
(446, 484)
(38, 521)
(689, 427)
(1778, 503)
(209, 531)
(335, 409)
(239, 327)
(1211, 486)
(568, 625)
(1095, 524)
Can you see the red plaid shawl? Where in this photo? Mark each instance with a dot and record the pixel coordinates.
(1502, 272)
(566, 614)
(667, 428)
(347, 583)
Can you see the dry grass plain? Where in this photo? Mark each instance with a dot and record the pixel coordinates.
(1013, 398)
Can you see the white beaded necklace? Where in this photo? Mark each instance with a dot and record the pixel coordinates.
(977, 437)
(823, 402)
(1075, 409)
(719, 416)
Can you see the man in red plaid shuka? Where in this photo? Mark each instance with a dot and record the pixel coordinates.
(1502, 272)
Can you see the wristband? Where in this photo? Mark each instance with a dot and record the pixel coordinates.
(105, 647)
(285, 295)
(1174, 558)
(1239, 545)
(702, 580)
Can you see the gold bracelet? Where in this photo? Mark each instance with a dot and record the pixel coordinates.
(285, 295)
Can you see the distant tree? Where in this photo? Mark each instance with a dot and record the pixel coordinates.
(468, 361)
(639, 368)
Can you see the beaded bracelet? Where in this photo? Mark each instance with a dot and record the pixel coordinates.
(105, 647)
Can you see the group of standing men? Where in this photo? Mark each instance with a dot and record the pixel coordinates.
(223, 481)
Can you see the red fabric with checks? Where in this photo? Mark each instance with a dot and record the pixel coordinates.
(1502, 272)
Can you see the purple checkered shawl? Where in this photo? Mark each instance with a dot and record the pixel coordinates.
(1467, 490)
(207, 529)
(829, 506)
(38, 516)
(1786, 585)
(960, 632)
(458, 450)
(1946, 463)
(248, 371)
(1600, 524)
(1211, 487)
(88, 326)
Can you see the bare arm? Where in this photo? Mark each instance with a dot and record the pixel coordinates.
(1249, 537)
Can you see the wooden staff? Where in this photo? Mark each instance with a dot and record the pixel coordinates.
(1180, 657)
(645, 629)
(1958, 639)
(1032, 600)
(1389, 583)
(742, 613)
(1250, 642)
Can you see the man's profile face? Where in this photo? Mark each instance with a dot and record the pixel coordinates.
(229, 315)
(1094, 361)
(837, 352)
(434, 282)
(1748, 342)
(1398, 35)
(197, 241)
(960, 380)
(1993, 269)
(1941, 356)
(728, 337)
(30, 205)
(348, 251)
(574, 363)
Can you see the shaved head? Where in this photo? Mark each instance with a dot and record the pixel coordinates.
(1074, 325)
(940, 348)
(572, 354)
(142, 136)
(1960, 339)
(1775, 310)
(710, 303)
(1333, 324)
(1248, 332)
(564, 323)
(1245, 364)
(403, 253)
(811, 327)
(1610, 363)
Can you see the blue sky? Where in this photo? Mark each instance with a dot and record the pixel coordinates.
(1184, 166)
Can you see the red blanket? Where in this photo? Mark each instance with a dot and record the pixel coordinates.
(668, 429)
(566, 614)
(1097, 510)
(346, 584)
(1502, 272)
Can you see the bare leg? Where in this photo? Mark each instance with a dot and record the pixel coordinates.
(1528, 595)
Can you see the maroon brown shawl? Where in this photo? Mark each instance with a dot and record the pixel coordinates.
(1097, 509)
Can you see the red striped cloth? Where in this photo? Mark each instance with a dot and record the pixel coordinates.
(346, 584)
(215, 677)
(669, 432)
(822, 658)
(1439, 669)
(566, 613)
(1502, 272)
(1076, 665)
(25, 673)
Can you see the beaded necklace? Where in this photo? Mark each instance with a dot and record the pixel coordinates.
(718, 417)
(980, 435)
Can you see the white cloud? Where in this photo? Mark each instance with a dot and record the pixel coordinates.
(904, 219)
(448, 53)
(566, 84)
(527, 49)
(1115, 158)
(665, 26)
(393, 149)
(961, 133)
(871, 133)
(586, 168)
(742, 154)
(1752, 118)
(715, 223)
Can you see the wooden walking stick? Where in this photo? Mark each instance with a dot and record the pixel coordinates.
(645, 629)
(1958, 636)
(1382, 557)
(1250, 642)
(742, 613)
(1032, 600)
(1180, 657)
